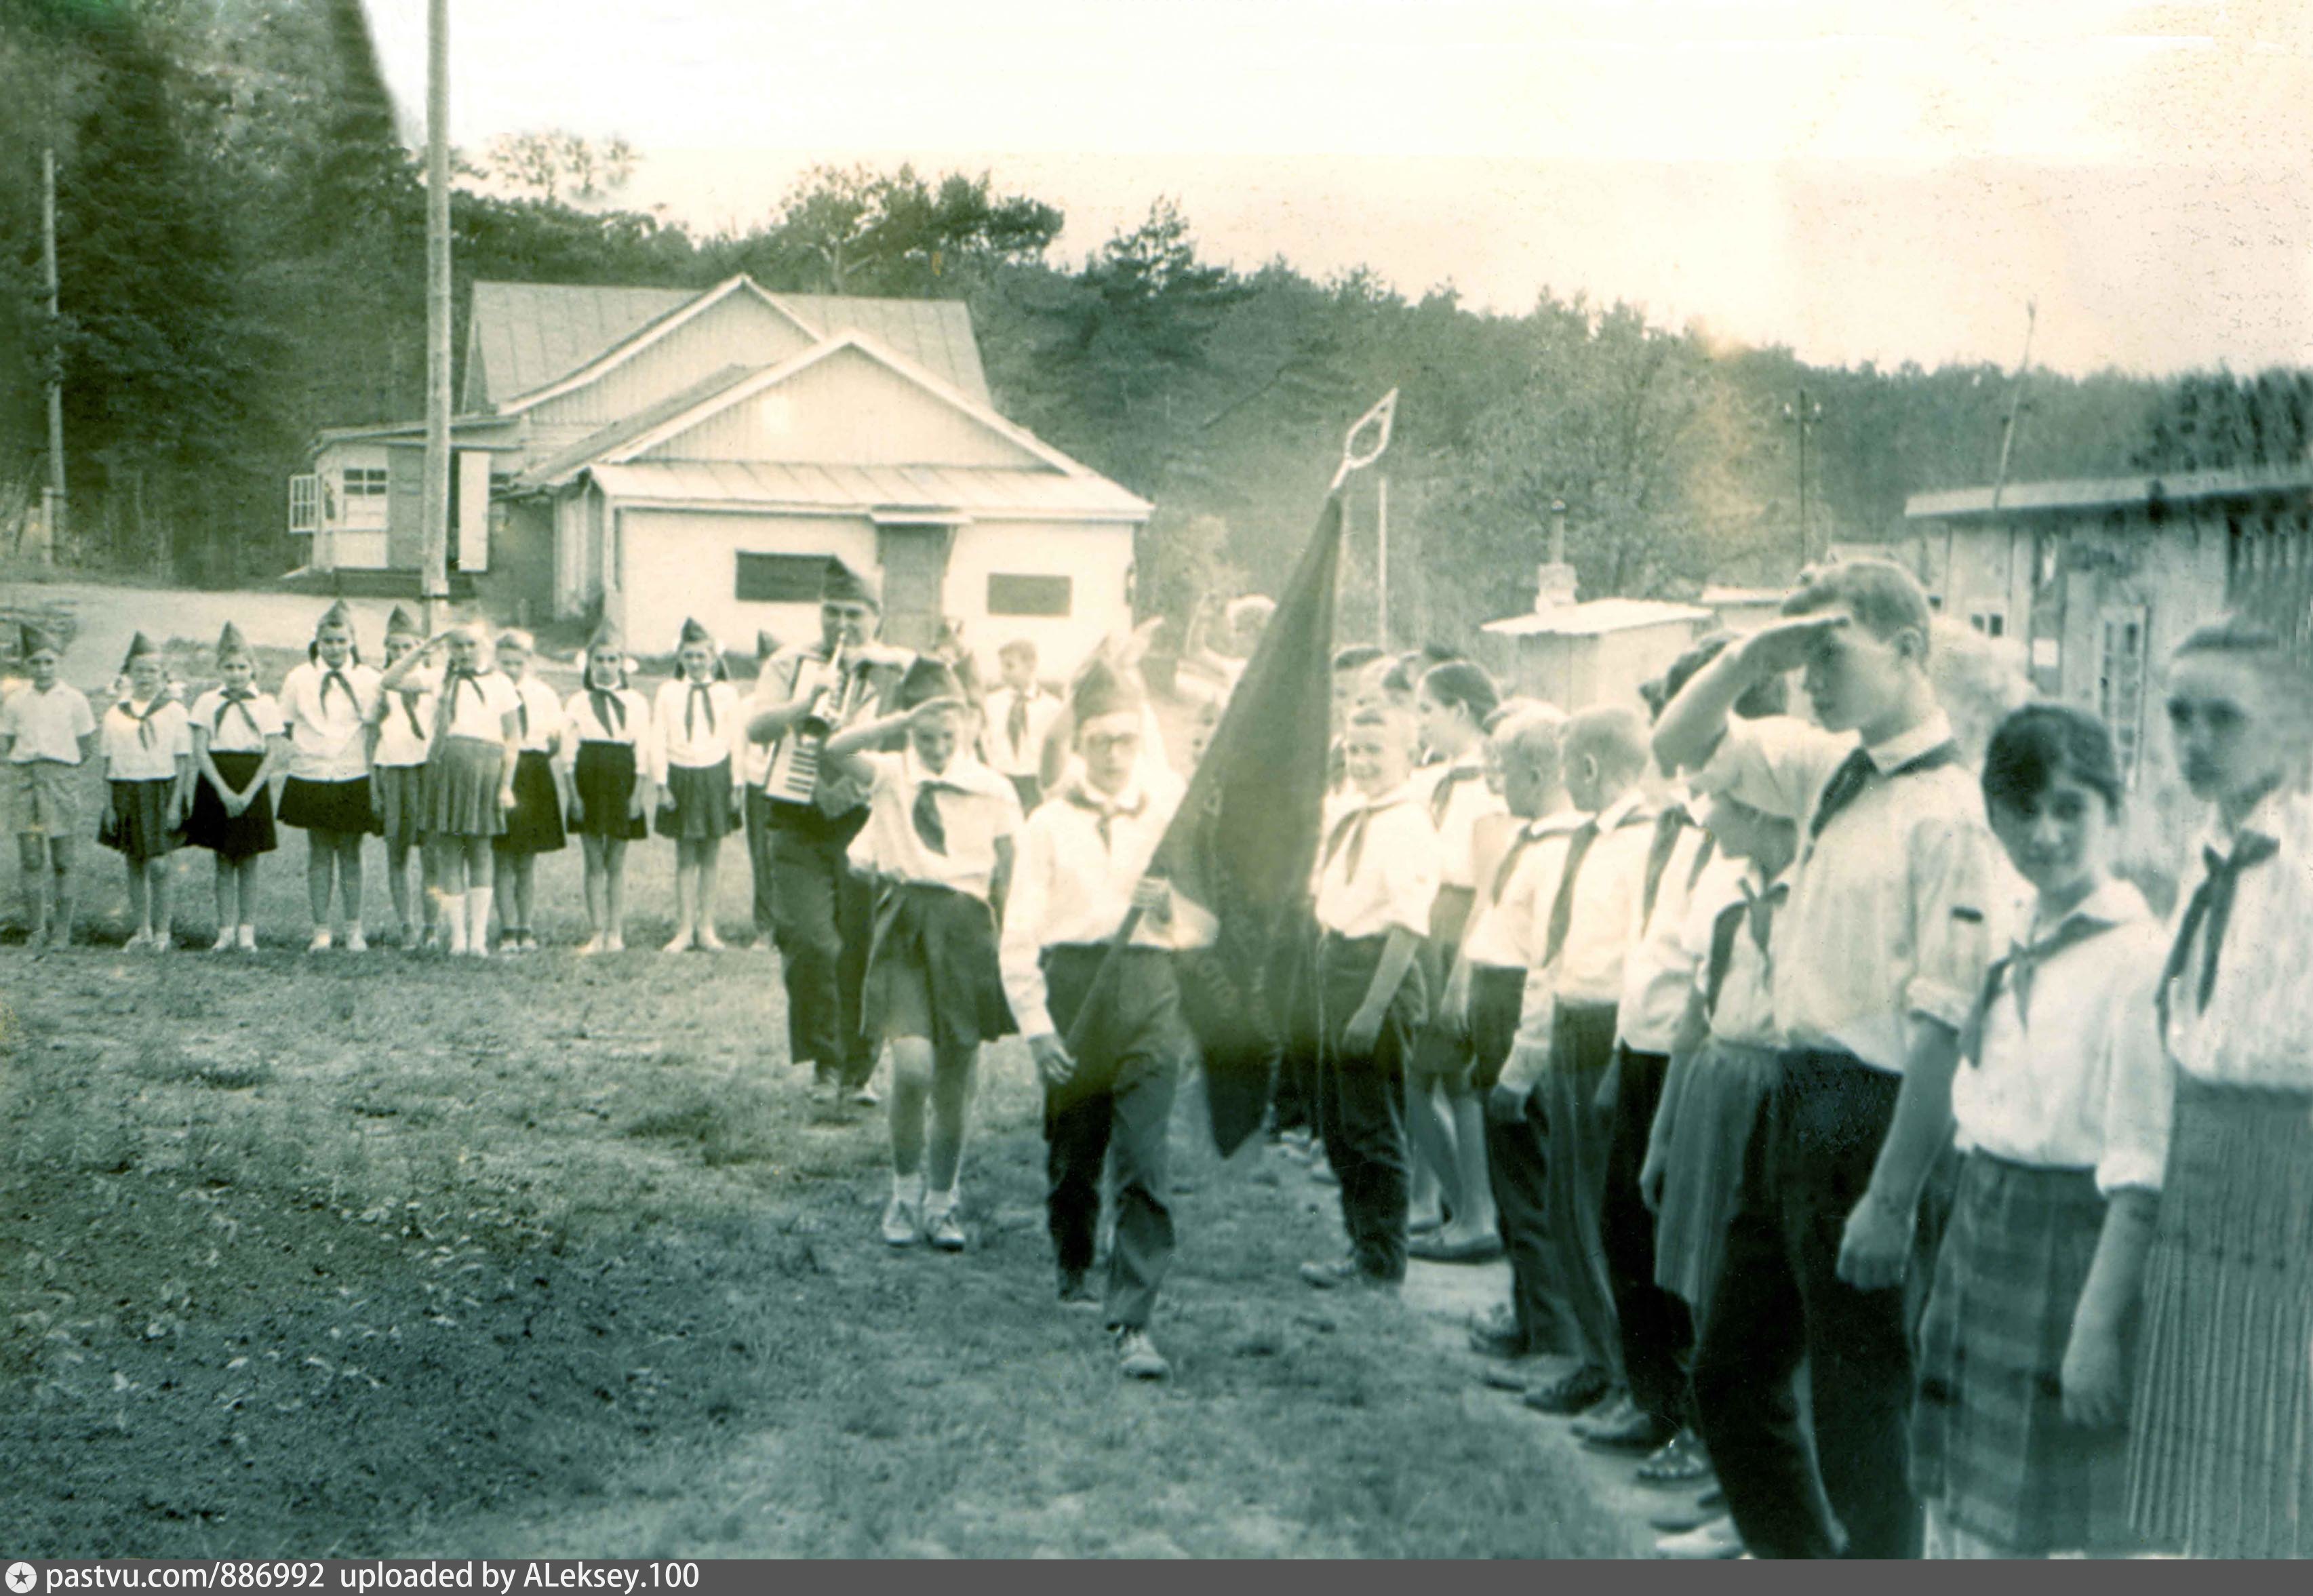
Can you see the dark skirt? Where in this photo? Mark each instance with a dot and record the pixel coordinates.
(136, 824)
(534, 824)
(1991, 1450)
(462, 781)
(941, 941)
(603, 778)
(2220, 1458)
(1721, 1091)
(238, 837)
(328, 805)
(1443, 1051)
(697, 805)
(401, 803)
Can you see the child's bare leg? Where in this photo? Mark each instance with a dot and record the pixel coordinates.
(32, 866)
(160, 896)
(140, 908)
(912, 1073)
(710, 851)
(1430, 1142)
(348, 845)
(614, 892)
(245, 878)
(1473, 1199)
(60, 923)
(321, 865)
(397, 882)
(526, 892)
(598, 888)
(953, 1077)
(686, 895)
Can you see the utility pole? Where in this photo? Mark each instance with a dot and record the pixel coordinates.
(1381, 541)
(435, 577)
(52, 513)
(2015, 403)
(1804, 414)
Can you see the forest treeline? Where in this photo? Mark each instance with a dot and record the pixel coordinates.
(241, 251)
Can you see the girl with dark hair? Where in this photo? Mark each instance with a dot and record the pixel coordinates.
(2019, 1433)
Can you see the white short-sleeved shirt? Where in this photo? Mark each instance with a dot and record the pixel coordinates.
(1602, 921)
(230, 730)
(2258, 1030)
(2081, 1082)
(976, 806)
(405, 720)
(478, 706)
(1023, 757)
(539, 715)
(587, 726)
(329, 731)
(1377, 867)
(132, 755)
(1659, 971)
(1456, 796)
(1746, 1010)
(1892, 906)
(1500, 934)
(694, 732)
(45, 725)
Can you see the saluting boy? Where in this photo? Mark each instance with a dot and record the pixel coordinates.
(46, 733)
(1581, 915)
(1878, 959)
(1109, 1077)
(1377, 878)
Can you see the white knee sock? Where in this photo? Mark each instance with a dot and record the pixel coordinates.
(453, 916)
(908, 1188)
(477, 915)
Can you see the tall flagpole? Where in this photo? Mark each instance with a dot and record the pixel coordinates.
(433, 577)
(52, 520)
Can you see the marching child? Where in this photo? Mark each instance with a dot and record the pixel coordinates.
(46, 733)
(397, 783)
(610, 786)
(1878, 955)
(535, 823)
(1446, 1119)
(940, 833)
(2219, 1463)
(1020, 713)
(239, 741)
(2019, 1446)
(696, 729)
(148, 763)
(1109, 1079)
(1377, 878)
(329, 703)
(473, 741)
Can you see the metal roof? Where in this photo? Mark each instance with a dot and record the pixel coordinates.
(2110, 493)
(530, 334)
(565, 464)
(946, 492)
(1595, 618)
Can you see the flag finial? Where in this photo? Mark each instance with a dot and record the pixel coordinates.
(1379, 421)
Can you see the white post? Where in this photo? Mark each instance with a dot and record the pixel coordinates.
(53, 507)
(1381, 558)
(434, 576)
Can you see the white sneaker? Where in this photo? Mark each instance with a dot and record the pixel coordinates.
(1137, 1357)
(863, 1094)
(249, 939)
(712, 943)
(903, 1224)
(225, 941)
(136, 943)
(320, 943)
(679, 942)
(614, 943)
(943, 1230)
(356, 942)
(1714, 1541)
(591, 946)
(162, 941)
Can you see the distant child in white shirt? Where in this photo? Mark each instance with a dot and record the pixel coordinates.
(239, 741)
(331, 704)
(397, 782)
(474, 742)
(535, 823)
(939, 838)
(46, 733)
(609, 782)
(696, 725)
(148, 764)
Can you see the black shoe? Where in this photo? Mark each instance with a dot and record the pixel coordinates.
(1610, 1411)
(1681, 1462)
(1497, 1341)
(1076, 1291)
(1640, 1435)
(1569, 1394)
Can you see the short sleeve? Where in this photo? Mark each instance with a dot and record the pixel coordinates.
(269, 722)
(1009, 817)
(1955, 893)
(180, 735)
(2140, 1083)
(83, 718)
(1777, 764)
(1409, 871)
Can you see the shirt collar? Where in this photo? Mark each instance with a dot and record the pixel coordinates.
(1128, 802)
(2116, 903)
(964, 773)
(1909, 744)
(1401, 794)
(2273, 817)
(1621, 810)
(1563, 822)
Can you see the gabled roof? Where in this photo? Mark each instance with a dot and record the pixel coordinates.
(2110, 493)
(531, 336)
(772, 376)
(565, 464)
(950, 494)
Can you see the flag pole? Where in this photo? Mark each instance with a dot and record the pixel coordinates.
(1379, 422)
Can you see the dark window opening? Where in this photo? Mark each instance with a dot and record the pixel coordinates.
(781, 578)
(1029, 595)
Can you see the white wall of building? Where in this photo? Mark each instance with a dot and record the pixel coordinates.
(1097, 558)
(352, 533)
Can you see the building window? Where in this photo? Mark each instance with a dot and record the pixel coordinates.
(1992, 623)
(1029, 595)
(2120, 679)
(304, 505)
(781, 578)
(364, 482)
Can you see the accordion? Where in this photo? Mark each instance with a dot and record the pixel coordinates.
(835, 694)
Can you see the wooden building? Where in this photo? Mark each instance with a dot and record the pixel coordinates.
(652, 453)
(1578, 654)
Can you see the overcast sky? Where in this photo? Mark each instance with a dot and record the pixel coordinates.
(1812, 174)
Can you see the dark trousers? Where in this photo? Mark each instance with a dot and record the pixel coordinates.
(758, 859)
(1657, 1335)
(1116, 1107)
(1779, 1302)
(1361, 1101)
(1518, 1165)
(1581, 1048)
(824, 911)
(1293, 976)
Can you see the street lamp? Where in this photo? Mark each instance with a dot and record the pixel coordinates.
(1804, 414)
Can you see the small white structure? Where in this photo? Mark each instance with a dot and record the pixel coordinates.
(1577, 654)
(649, 454)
